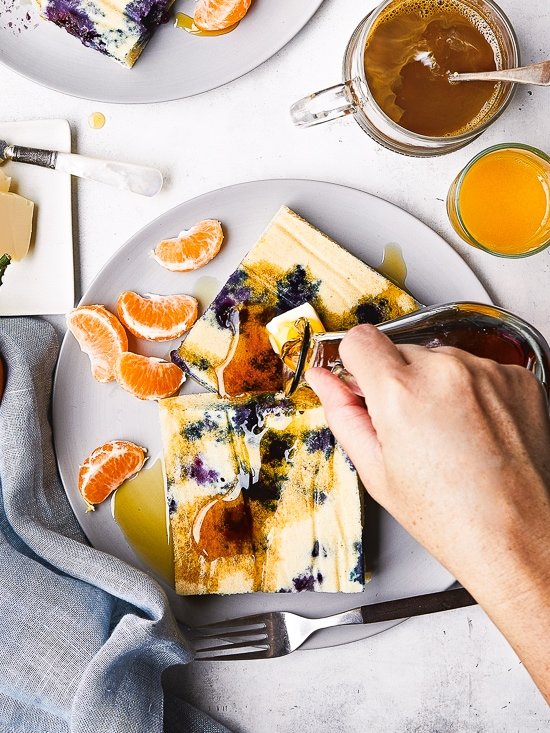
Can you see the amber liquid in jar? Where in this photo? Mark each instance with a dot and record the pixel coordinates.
(409, 54)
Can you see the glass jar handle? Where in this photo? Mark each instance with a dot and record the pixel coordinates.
(323, 106)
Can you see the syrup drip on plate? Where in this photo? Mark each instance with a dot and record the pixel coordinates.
(139, 508)
(393, 265)
(205, 290)
(188, 24)
(96, 120)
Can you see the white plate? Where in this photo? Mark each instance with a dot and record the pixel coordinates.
(86, 413)
(174, 65)
(42, 283)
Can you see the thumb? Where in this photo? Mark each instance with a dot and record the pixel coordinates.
(349, 420)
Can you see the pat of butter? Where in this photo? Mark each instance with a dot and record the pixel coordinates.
(15, 224)
(282, 329)
(5, 182)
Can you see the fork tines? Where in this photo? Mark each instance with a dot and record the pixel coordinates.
(250, 635)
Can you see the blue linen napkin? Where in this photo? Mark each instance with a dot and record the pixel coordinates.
(84, 637)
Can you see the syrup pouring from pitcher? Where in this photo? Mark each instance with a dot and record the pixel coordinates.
(483, 330)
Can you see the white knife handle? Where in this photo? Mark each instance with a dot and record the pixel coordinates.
(125, 176)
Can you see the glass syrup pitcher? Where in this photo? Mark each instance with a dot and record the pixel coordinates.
(483, 330)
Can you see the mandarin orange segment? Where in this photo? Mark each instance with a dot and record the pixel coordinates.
(106, 468)
(214, 15)
(157, 317)
(192, 248)
(147, 377)
(100, 335)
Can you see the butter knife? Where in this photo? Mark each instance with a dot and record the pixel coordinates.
(124, 176)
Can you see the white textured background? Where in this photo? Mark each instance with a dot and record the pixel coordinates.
(451, 673)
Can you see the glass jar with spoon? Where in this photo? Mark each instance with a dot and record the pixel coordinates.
(397, 68)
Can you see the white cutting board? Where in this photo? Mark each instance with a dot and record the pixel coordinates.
(42, 283)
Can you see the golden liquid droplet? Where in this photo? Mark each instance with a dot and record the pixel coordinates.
(139, 508)
(205, 290)
(96, 120)
(393, 266)
(187, 23)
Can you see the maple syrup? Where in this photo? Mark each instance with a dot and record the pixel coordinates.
(479, 336)
(205, 290)
(409, 54)
(139, 508)
(188, 24)
(393, 265)
(477, 333)
(223, 527)
(484, 331)
(242, 371)
(96, 120)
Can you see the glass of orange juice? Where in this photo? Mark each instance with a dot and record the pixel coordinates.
(500, 202)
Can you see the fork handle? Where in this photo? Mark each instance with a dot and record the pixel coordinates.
(417, 605)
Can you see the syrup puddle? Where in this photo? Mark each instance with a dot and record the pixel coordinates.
(96, 120)
(393, 265)
(187, 23)
(205, 290)
(139, 508)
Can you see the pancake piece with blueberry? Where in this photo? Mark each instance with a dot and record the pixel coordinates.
(228, 349)
(260, 496)
(116, 28)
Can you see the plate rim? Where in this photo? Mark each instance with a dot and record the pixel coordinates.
(282, 179)
(170, 98)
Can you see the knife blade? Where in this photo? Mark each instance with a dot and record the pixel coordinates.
(139, 179)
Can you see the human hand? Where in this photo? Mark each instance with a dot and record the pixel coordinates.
(456, 449)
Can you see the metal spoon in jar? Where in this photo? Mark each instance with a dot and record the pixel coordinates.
(538, 74)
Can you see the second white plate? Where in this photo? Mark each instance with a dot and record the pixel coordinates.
(174, 64)
(86, 414)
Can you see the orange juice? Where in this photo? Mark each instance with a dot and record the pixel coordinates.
(501, 200)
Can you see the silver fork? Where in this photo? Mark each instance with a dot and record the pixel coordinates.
(277, 633)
